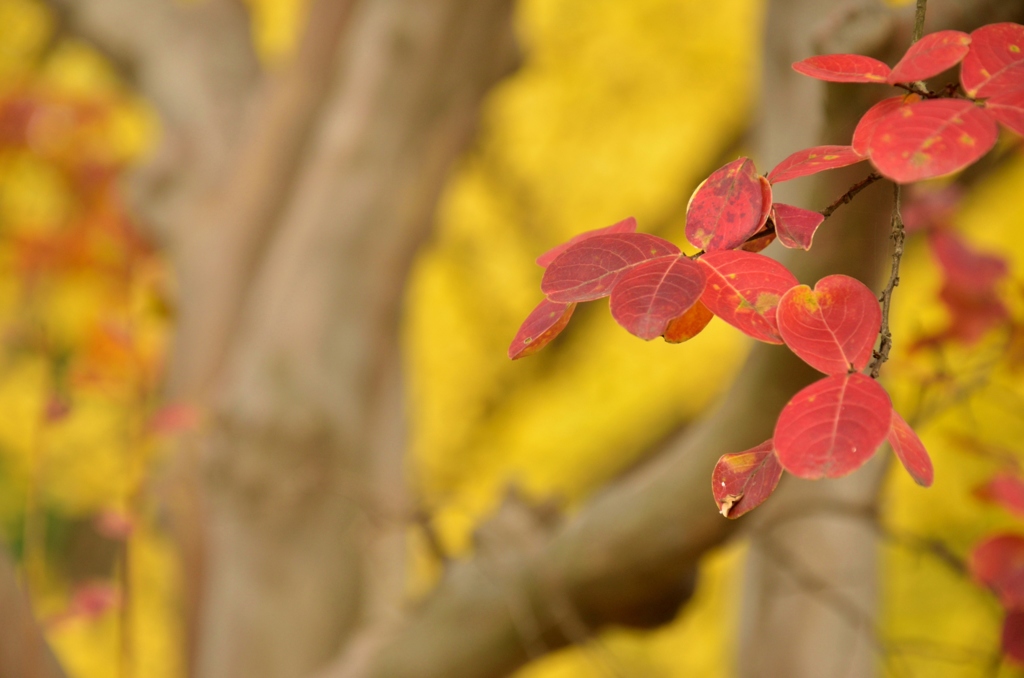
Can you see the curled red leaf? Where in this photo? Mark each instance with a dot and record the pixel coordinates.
(742, 481)
(544, 323)
(795, 226)
(689, 324)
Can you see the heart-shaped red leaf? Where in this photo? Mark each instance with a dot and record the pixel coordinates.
(725, 209)
(843, 68)
(688, 325)
(998, 562)
(627, 225)
(930, 139)
(742, 481)
(1005, 490)
(542, 325)
(744, 289)
(833, 426)
(1008, 109)
(910, 451)
(931, 55)
(795, 226)
(590, 268)
(649, 296)
(1013, 636)
(995, 62)
(832, 327)
(813, 160)
(866, 127)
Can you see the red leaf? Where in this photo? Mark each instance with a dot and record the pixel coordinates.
(931, 208)
(910, 451)
(833, 327)
(995, 63)
(795, 226)
(813, 160)
(744, 290)
(1008, 109)
(688, 325)
(833, 426)
(869, 121)
(590, 268)
(650, 295)
(1005, 490)
(843, 68)
(966, 269)
(627, 225)
(742, 481)
(766, 201)
(725, 209)
(1013, 635)
(998, 562)
(930, 139)
(175, 418)
(544, 323)
(931, 55)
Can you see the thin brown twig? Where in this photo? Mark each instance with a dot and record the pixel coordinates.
(898, 236)
(850, 194)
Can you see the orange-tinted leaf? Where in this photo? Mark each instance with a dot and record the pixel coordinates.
(1013, 636)
(813, 160)
(590, 268)
(843, 68)
(688, 325)
(832, 327)
(795, 226)
(650, 295)
(965, 268)
(930, 139)
(931, 55)
(1008, 109)
(998, 563)
(1005, 490)
(832, 427)
(744, 289)
(766, 201)
(725, 209)
(627, 225)
(869, 121)
(544, 323)
(910, 451)
(995, 62)
(742, 481)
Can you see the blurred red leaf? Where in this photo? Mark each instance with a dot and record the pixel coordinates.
(998, 562)
(689, 324)
(931, 55)
(726, 208)
(590, 268)
(742, 481)
(910, 451)
(832, 327)
(649, 296)
(544, 323)
(1006, 490)
(627, 225)
(930, 208)
(1008, 109)
(175, 418)
(832, 427)
(795, 226)
(843, 68)
(744, 289)
(813, 160)
(930, 139)
(869, 121)
(1013, 636)
(965, 268)
(995, 62)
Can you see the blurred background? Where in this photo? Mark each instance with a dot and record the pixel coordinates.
(610, 109)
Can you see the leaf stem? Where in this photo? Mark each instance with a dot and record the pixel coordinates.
(897, 235)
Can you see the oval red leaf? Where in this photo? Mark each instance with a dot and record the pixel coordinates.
(1008, 109)
(910, 451)
(795, 226)
(995, 62)
(744, 289)
(1013, 635)
(650, 295)
(998, 562)
(930, 139)
(725, 209)
(1005, 490)
(590, 268)
(832, 327)
(931, 55)
(833, 426)
(843, 68)
(866, 127)
(813, 160)
(742, 481)
(627, 225)
(542, 325)
(688, 325)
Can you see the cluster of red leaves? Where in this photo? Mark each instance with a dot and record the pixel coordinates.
(922, 135)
